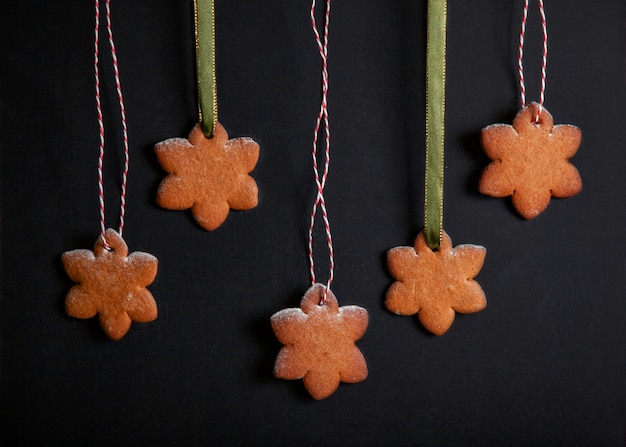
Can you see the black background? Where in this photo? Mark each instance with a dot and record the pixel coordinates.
(544, 364)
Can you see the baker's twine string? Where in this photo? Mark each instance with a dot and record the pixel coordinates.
(543, 62)
(321, 182)
(118, 87)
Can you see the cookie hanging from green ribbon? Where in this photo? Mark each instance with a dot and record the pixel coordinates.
(207, 172)
(434, 279)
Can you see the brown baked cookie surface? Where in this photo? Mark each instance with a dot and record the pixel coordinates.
(530, 161)
(320, 343)
(435, 284)
(111, 284)
(208, 175)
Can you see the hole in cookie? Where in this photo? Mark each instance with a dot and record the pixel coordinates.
(106, 246)
(537, 121)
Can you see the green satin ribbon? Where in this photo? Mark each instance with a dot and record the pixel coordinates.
(204, 17)
(435, 115)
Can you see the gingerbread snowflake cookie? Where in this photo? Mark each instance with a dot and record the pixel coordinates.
(111, 284)
(208, 175)
(435, 284)
(530, 161)
(320, 343)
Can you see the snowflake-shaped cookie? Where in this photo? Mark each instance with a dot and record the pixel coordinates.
(320, 343)
(435, 284)
(111, 284)
(208, 175)
(530, 161)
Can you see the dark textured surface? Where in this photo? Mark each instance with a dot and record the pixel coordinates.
(544, 364)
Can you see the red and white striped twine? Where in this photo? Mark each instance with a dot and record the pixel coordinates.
(118, 87)
(544, 59)
(320, 183)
